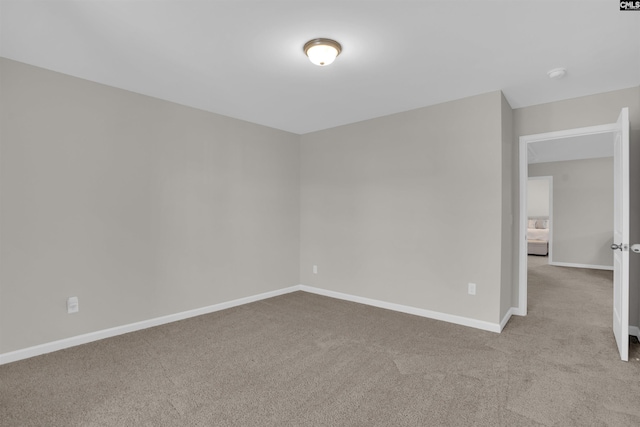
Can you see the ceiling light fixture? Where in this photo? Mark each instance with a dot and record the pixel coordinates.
(322, 51)
(557, 73)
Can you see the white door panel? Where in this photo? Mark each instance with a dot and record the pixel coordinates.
(621, 235)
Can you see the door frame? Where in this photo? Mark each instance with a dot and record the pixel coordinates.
(525, 140)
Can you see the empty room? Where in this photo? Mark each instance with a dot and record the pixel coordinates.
(305, 213)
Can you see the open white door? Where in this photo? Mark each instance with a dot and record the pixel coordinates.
(621, 235)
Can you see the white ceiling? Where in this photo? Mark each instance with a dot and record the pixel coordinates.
(244, 58)
(573, 148)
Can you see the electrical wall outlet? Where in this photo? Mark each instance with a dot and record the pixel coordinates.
(72, 305)
(315, 269)
(472, 288)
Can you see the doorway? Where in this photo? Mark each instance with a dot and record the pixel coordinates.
(574, 284)
(618, 135)
(540, 216)
(616, 138)
(554, 146)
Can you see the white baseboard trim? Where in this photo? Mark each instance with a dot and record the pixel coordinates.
(458, 320)
(49, 347)
(634, 330)
(37, 350)
(569, 264)
(517, 311)
(506, 317)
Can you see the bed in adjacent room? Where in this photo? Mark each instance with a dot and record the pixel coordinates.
(538, 236)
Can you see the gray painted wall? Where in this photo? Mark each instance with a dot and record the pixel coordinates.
(591, 110)
(138, 206)
(408, 208)
(582, 210)
(144, 208)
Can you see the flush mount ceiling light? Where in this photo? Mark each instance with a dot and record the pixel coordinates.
(322, 51)
(557, 73)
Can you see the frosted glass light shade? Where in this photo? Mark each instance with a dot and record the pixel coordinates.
(322, 52)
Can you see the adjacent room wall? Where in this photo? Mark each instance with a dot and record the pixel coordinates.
(592, 110)
(408, 208)
(138, 206)
(537, 197)
(582, 210)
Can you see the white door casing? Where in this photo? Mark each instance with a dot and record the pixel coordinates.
(621, 234)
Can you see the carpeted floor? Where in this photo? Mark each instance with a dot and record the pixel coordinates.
(306, 360)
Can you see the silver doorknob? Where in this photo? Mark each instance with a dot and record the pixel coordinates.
(636, 248)
(614, 246)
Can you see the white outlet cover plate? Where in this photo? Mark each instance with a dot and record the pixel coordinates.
(472, 288)
(73, 305)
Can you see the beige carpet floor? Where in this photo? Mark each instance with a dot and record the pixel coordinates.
(307, 360)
